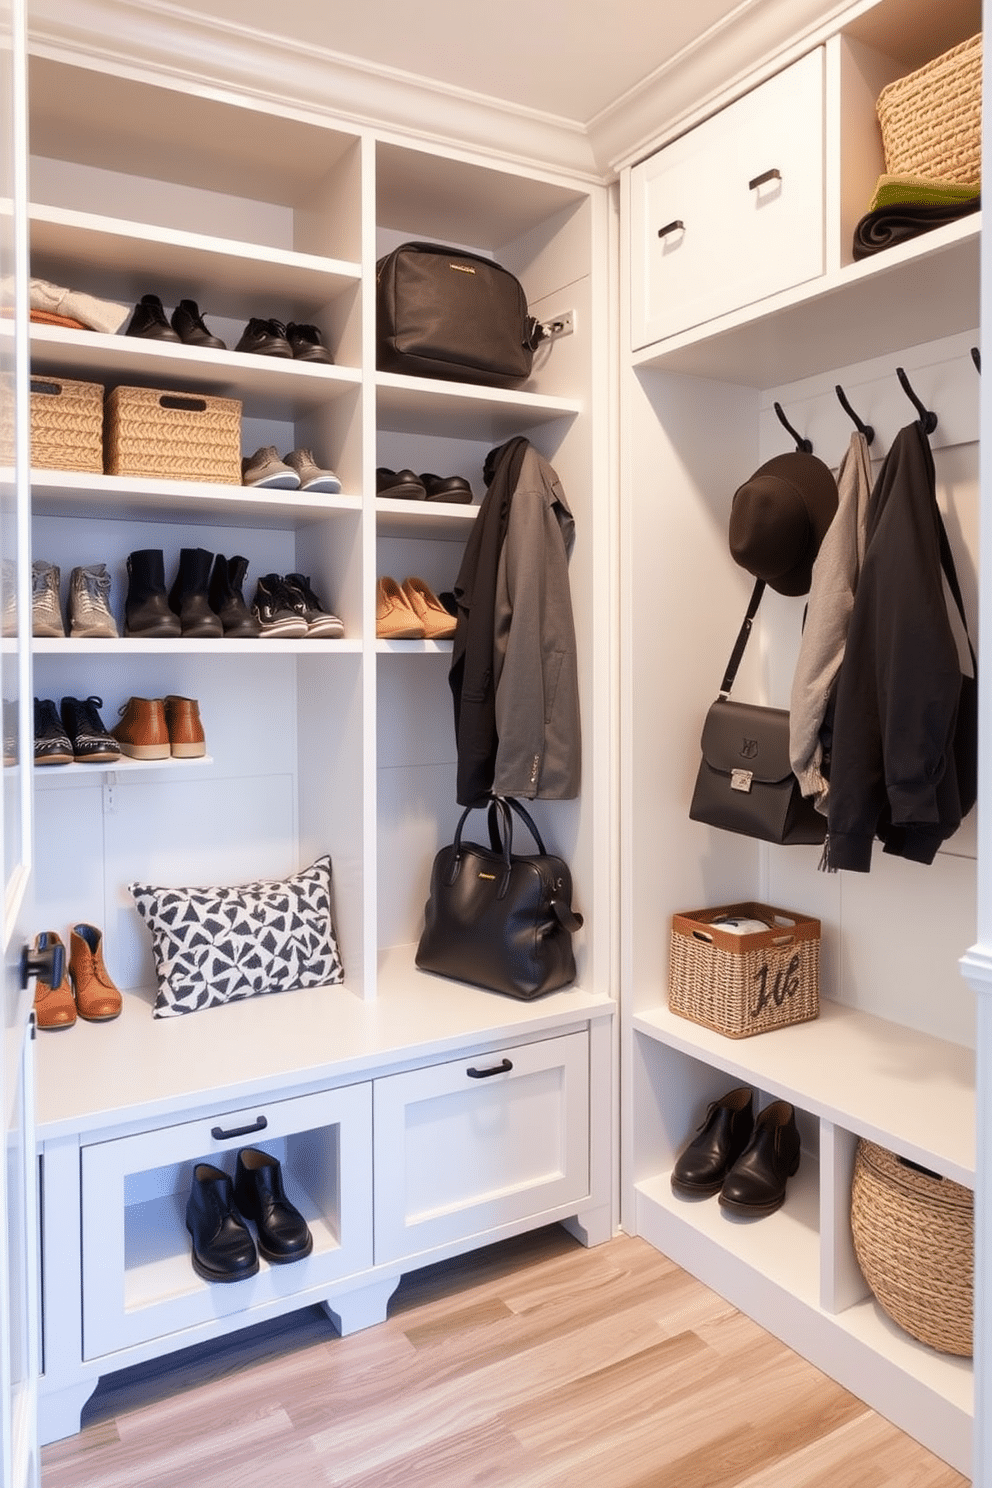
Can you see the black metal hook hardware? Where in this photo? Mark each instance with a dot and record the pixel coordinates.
(976, 357)
(805, 446)
(860, 425)
(928, 420)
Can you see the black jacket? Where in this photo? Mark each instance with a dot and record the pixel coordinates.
(904, 750)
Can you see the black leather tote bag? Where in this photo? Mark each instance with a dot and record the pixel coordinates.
(441, 312)
(496, 918)
(745, 782)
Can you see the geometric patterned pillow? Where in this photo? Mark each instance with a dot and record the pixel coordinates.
(218, 945)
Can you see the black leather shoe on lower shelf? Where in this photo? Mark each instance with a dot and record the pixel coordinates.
(723, 1135)
(149, 320)
(755, 1185)
(283, 1233)
(223, 1249)
(265, 338)
(189, 326)
(307, 343)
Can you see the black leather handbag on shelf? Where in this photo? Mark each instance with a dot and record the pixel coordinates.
(496, 918)
(745, 781)
(442, 312)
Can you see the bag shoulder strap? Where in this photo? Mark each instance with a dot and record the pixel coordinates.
(742, 639)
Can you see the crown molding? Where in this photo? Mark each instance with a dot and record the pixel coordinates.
(174, 43)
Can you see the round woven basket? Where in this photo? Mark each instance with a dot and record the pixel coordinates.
(914, 1237)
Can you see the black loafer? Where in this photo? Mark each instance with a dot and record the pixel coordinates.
(265, 338)
(399, 485)
(755, 1185)
(283, 1234)
(447, 488)
(307, 344)
(723, 1136)
(223, 1249)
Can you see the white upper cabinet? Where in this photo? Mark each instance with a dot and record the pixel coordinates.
(734, 210)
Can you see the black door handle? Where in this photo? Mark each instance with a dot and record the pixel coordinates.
(484, 1074)
(766, 176)
(677, 226)
(220, 1135)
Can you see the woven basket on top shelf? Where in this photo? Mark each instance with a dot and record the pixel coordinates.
(742, 984)
(175, 436)
(66, 424)
(932, 119)
(914, 1237)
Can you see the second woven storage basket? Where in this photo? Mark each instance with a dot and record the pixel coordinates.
(176, 436)
(742, 984)
(931, 120)
(914, 1237)
(66, 424)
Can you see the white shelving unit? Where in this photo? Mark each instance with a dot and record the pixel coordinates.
(344, 747)
(891, 1055)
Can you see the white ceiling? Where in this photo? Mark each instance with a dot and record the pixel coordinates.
(567, 58)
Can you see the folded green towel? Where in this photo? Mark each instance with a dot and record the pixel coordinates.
(900, 191)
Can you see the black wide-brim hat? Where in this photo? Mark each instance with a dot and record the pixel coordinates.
(778, 520)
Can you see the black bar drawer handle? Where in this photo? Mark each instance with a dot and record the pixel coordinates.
(220, 1135)
(677, 226)
(772, 175)
(497, 1069)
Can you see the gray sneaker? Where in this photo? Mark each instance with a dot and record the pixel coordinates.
(312, 477)
(264, 468)
(46, 613)
(8, 597)
(89, 603)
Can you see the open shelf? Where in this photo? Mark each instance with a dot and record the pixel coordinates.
(408, 405)
(60, 493)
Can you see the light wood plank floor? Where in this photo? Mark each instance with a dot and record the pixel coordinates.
(532, 1364)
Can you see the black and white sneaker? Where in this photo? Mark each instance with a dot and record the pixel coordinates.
(91, 743)
(52, 745)
(321, 624)
(275, 610)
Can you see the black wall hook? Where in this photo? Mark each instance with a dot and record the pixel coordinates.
(928, 420)
(865, 429)
(976, 357)
(804, 445)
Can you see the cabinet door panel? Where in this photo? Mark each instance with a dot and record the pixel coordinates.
(465, 1147)
(138, 1282)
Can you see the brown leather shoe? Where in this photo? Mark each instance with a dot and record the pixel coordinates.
(54, 1007)
(186, 737)
(142, 732)
(395, 619)
(438, 624)
(97, 999)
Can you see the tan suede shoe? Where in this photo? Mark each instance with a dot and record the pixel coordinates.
(438, 624)
(142, 732)
(54, 1007)
(395, 620)
(186, 737)
(97, 999)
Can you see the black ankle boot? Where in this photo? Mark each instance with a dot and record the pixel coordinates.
(188, 595)
(146, 609)
(228, 601)
(149, 320)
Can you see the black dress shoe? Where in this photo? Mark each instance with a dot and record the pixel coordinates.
(447, 488)
(307, 343)
(148, 319)
(756, 1183)
(283, 1234)
(399, 485)
(265, 338)
(223, 1249)
(725, 1132)
(188, 324)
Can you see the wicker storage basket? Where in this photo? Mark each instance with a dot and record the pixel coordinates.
(932, 119)
(742, 984)
(914, 1237)
(66, 424)
(176, 436)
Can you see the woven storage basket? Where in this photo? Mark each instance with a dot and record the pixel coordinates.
(914, 1237)
(742, 984)
(176, 436)
(66, 424)
(932, 120)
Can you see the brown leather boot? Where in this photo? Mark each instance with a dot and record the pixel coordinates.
(97, 999)
(143, 732)
(54, 1006)
(182, 717)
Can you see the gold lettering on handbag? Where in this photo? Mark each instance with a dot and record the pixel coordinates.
(462, 268)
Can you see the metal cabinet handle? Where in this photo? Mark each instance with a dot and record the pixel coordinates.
(677, 226)
(483, 1074)
(220, 1135)
(769, 175)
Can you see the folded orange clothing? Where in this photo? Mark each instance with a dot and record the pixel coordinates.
(46, 317)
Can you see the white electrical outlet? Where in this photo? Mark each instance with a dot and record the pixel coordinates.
(559, 325)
